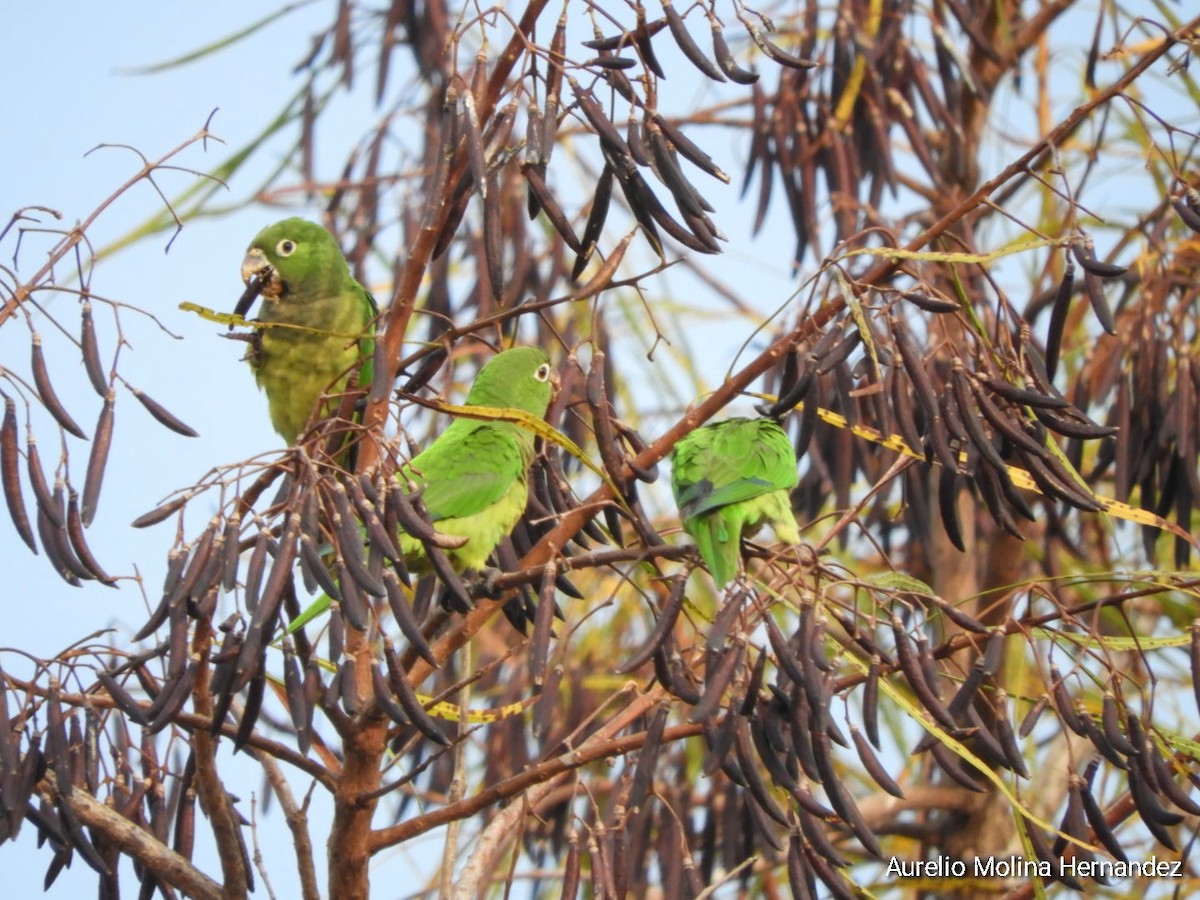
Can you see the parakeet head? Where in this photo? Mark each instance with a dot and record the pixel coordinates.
(290, 254)
(521, 378)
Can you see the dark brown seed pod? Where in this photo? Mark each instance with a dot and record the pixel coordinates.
(930, 303)
(408, 698)
(1007, 426)
(687, 45)
(1154, 816)
(840, 800)
(637, 146)
(1030, 720)
(645, 46)
(643, 774)
(1021, 396)
(949, 483)
(663, 625)
(350, 543)
(814, 832)
(160, 513)
(1094, 287)
(416, 524)
(298, 709)
(620, 41)
(79, 542)
(1099, 740)
(595, 221)
(1194, 657)
(872, 764)
(687, 198)
(1110, 721)
(911, 668)
(777, 53)
(10, 473)
(949, 763)
(910, 356)
(594, 113)
(725, 60)
(405, 619)
(549, 205)
(1190, 217)
(58, 549)
(91, 351)
(37, 480)
(611, 62)
(314, 569)
(754, 782)
(1058, 318)
(385, 699)
(960, 618)
(1095, 815)
(1073, 425)
(41, 379)
(1086, 256)
(353, 603)
(174, 695)
(785, 656)
(164, 415)
(379, 537)
(1164, 777)
(121, 697)
(716, 680)
(801, 880)
(1064, 704)
(98, 459)
(689, 149)
(250, 711)
(1008, 741)
(829, 875)
(870, 701)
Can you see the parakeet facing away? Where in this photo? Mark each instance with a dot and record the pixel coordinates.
(731, 478)
(319, 321)
(474, 475)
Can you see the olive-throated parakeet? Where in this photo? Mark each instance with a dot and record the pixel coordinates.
(731, 478)
(315, 323)
(473, 477)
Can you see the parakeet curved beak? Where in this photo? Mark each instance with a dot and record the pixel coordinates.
(257, 273)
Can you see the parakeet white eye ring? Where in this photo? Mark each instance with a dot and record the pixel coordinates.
(543, 372)
(286, 247)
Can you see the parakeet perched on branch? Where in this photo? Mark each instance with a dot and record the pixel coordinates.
(731, 478)
(473, 477)
(317, 321)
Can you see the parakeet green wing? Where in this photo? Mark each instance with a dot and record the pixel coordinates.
(729, 479)
(473, 477)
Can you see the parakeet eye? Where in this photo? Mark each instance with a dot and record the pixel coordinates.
(543, 372)
(286, 247)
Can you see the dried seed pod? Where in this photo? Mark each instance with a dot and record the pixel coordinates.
(716, 679)
(725, 58)
(595, 221)
(315, 572)
(870, 701)
(930, 303)
(1154, 815)
(405, 619)
(1110, 721)
(873, 766)
(840, 800)
(10, 473)
(689, 149)
(1073, 425)
(663, 625)
(1164, 777)
(1190, 217)
(949, 483)
(1058, 318)
(58, 548)
(37, 479)
(549, 205)
(91, 350)
(1086, 256)
(163, 415)
(543, 622)
(754, 783)
(79, 543)
(350, 543)
(1094, 287)
(1022, 396)
(775, 52)
(687, 45)
(41, 380)
(408, 698)
(98, 459)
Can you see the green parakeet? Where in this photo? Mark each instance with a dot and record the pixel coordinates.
(474, 475)
(731, 478)
(318, 321)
